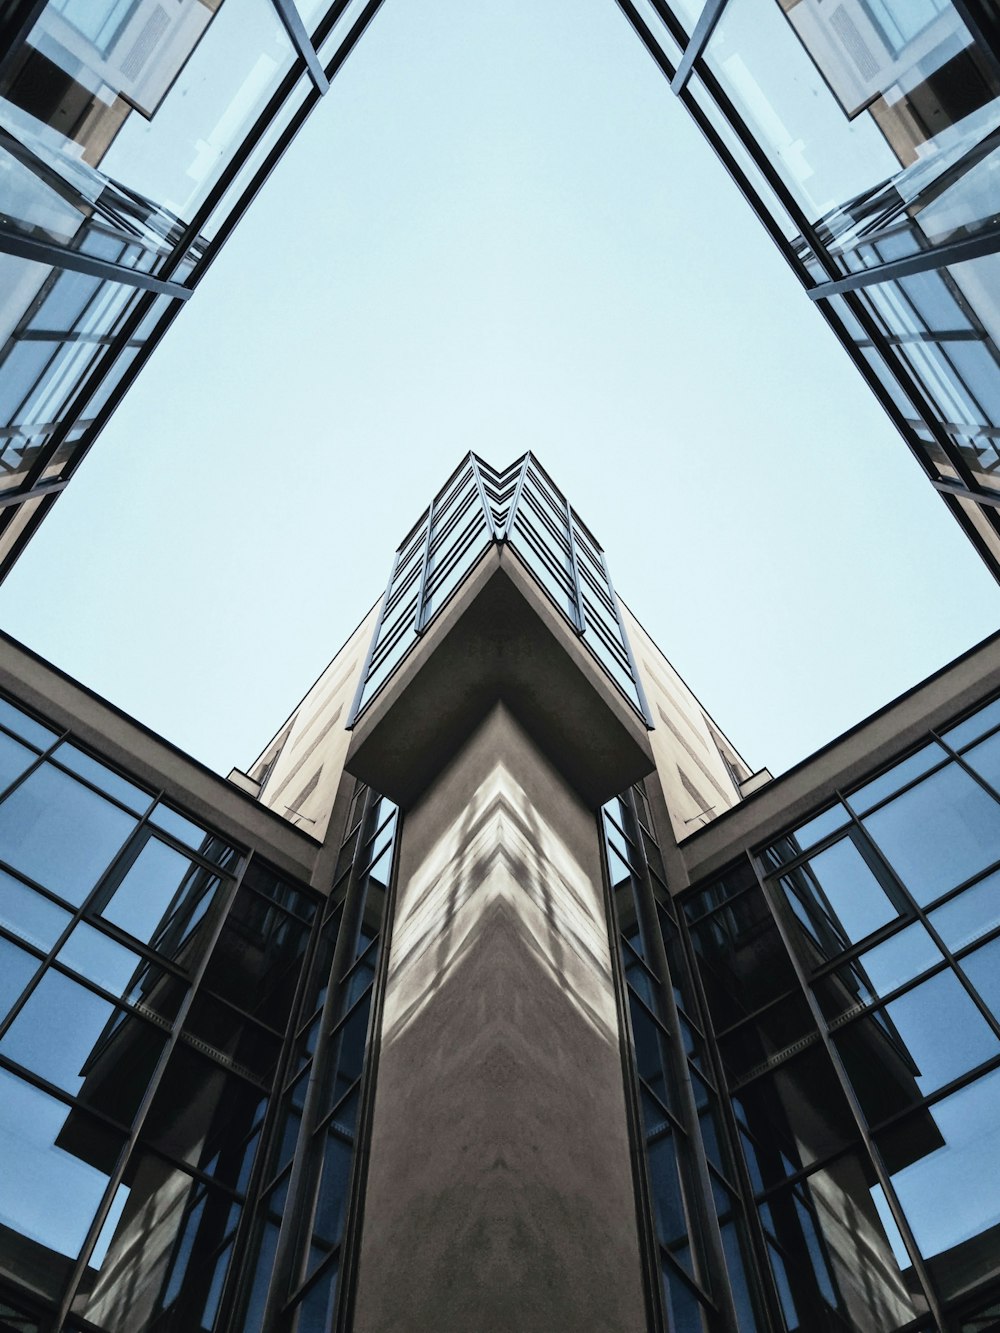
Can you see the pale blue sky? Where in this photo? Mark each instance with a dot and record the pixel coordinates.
(499, 231)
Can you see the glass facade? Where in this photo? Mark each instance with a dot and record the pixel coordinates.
(185, 1055)
(477, 509)
(842, 1022)
(866, 135)
(132, 137)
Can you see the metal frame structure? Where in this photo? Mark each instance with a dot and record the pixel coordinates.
(773, 888)
(848, 286)
(151, 299)
(477, 509)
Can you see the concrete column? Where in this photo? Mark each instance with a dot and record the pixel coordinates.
(499, 1191)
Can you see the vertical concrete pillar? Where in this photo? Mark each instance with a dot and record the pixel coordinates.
(499, 1191)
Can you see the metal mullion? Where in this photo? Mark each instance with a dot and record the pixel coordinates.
(366, 667)
(362, 958)
(941, 1094)
(537, 544)
(55, 255)
(314, 1278)
(396, 632)
(326, 1124)
(515, 503)
(978, 246)
(700, 36)
(652, 1281)
(574, 561)
(491, 526)
(401, 588)
(292, 1245)
(296, 29)
(222, 909)
(693, 1166)
(548, 523)
(883, 1177)
(418, 621)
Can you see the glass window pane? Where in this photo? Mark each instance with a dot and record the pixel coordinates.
(975, 912)
(15, 759)
(24, 726)
(184, 830)
(899, 959)
(16, 970)
(943, 1166)
(872, 792)
(983, 970)
(919, 1042)
(99, 958)
(28, 914)
(973, 727)
(101, 776)
(150, 885)
(939, 833)
(56, 1166)
(60, 833)
(984, 758)
(57, 1030)
(855, 899)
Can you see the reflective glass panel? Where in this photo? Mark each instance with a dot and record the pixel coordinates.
(983, 970)
(975, 912)
(24, 726)
(56, 1166)
(899, 959)
(984, 759)
(101, 776)
(149, 887)
(15, 759)
(943, 1165)
(939, 833)
(28, 914)
(877, 790)
(16, 969)
(44, 1040)
(60, 833)
(857, 902)
(973, 727)
(99, 958)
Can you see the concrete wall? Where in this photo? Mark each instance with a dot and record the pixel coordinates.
(499, 1195)
(690, 751)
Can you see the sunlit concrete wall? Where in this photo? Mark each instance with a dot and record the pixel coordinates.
(500, 1192)
(697, 766)
(298, 772)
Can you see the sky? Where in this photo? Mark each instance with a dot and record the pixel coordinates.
(499, 231)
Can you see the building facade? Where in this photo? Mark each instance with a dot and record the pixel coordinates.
(498, 993)
(864, 135)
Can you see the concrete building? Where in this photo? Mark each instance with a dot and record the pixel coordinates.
(498, 992)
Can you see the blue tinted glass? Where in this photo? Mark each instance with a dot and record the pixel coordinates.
(60, 833)
(973, 727)
(16, 970)
(827, 822)
(56, 1031)
(140, 902)
(975, 912)
(28, 914)
(985, 759)
(899, 959)
(946, 1179)
(856, 898)
(48, 1192)
(24, 726)
(872, 792)
(96, 956)
(943, 1031)
(983, 970)
(105, 778)
(14, 760)
(184, 830)
(939, 833)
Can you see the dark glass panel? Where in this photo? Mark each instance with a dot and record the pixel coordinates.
(16, 970)
(975, 912)
(839, 1255)
(26, 913)
(796, 1115)
(939, 833)
(943, 1166)
(232, 1037)
(316, 1310)
(686, 1311)
(101, 776)
(650, 1050)
(57, 1163)
(60, 833)
(352, 1037)
(665, 1189)
(743, 961)
(768, 1035)
(256, 961)
(735, 1248)
(331, 1203)
(927, 1037)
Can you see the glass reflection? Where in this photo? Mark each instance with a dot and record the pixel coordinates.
(939, 833)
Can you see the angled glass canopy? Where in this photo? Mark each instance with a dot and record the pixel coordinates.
(478, 508)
